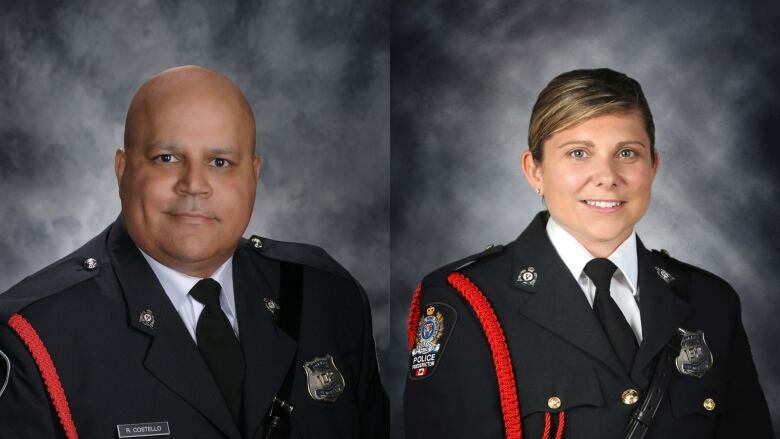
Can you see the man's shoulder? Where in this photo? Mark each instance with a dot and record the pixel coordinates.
(73, 269)
(298, 253)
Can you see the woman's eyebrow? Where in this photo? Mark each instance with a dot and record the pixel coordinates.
(578, 142)
(631, 142)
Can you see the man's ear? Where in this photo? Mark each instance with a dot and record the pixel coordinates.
(256, 162)
(120, 160)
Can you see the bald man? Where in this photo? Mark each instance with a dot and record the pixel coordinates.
(169, 322)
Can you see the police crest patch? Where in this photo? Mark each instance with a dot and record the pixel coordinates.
(323, 379)
(432, 334)
(695, 357)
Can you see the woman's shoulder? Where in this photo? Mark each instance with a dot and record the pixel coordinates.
(439, 276)
(696, 283)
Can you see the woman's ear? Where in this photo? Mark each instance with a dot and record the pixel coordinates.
(533, 172)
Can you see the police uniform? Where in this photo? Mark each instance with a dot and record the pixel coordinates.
(504, 344)
(128, 366)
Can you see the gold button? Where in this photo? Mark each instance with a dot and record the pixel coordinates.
(554, 402)
(709, 404)
(630, 396)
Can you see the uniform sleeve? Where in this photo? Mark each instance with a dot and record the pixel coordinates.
(459, 399)
(372, 399)
(25, 411)
(747, 414)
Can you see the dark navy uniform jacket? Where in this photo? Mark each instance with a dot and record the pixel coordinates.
(116, 370)
(558, 349)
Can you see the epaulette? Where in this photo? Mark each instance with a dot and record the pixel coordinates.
(304, 254)
(444, 271)
(59, 276)
(680, 264)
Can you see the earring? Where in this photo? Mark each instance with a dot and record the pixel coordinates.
(538, 191)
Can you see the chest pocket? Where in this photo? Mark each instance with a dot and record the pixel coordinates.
(692, 396)
(556, 391)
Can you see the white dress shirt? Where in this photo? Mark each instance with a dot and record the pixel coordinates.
(178, 285)
(623, 288)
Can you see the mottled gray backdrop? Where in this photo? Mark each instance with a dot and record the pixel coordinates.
(316, 73)
(466, 74)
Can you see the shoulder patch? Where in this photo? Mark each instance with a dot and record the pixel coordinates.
(304, 254)
(5, 372)
(433, 331)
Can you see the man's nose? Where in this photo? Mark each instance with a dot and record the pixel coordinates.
(193, 180)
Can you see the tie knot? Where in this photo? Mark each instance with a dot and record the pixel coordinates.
(600, 271)
(206, 291)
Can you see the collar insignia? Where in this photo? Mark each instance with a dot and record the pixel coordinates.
(527, 277)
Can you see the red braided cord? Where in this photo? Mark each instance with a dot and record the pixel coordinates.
(503, 363)
(547, 425)
(414, 316)
(561, 423)
(51, 379)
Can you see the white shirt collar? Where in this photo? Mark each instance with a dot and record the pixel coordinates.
(177, 285)
(575, 255)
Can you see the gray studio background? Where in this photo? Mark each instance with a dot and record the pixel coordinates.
(465, 76)
(316, 73)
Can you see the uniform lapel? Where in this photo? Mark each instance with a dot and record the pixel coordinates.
(557, 302)
(268, 350)
(172, 357)
(662, 311)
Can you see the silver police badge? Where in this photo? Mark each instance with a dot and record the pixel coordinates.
(323, 379)
(695, 357)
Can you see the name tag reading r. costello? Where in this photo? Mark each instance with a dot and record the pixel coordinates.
(144, 429)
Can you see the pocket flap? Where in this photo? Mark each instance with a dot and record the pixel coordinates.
(689, 396)
(555, 391)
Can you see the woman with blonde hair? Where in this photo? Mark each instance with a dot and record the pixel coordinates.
(576, 329)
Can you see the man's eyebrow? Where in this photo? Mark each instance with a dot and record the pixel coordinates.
(224, 150)
(172, 147)
(577, 142)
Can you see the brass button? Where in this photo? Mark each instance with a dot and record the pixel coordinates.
(554, 402)
(709, 404)
(630, 396)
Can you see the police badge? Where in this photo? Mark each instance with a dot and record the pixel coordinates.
(695, 357)
(323, 379)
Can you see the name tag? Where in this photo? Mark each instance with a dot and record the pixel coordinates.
(144, 429)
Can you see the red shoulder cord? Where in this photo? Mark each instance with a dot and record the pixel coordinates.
(51, 379)
(507, 389)
(502, 362)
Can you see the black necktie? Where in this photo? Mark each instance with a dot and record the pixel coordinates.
(219, 346)
(618, 330)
